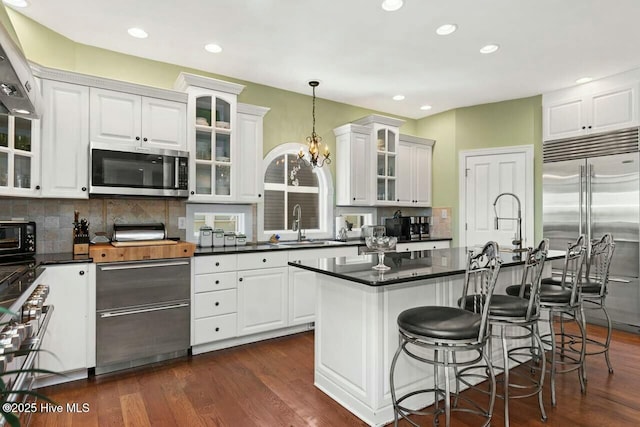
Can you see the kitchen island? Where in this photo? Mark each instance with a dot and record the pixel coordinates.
(356, 333)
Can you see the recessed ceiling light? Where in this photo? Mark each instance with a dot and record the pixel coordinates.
(398, 97)
(138, 33)
(426, 107)
(17, 3)
(583, 80)
(392, 5)
(446, 29)
(490, 48)
(213, 48)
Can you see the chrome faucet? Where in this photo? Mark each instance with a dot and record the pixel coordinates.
(297, 212)
(518, 240)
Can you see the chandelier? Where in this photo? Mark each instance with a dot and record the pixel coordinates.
(314, 141)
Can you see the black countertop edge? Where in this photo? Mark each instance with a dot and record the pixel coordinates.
(61, 258)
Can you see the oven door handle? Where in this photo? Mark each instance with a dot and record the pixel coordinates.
(141, 310)
(142, 265)
(34, 345)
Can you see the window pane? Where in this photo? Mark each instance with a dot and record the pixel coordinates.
(203, 145)
(275, 171)
(4, 169)
(4, 130)
(274, 210)
(300, 173)
(309, 204)
(22, 172)
(203, 179)
(203, 111)
(22, 134)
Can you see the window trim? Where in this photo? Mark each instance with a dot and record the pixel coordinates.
(325, 197)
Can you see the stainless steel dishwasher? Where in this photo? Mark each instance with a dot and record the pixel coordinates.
(143, 312)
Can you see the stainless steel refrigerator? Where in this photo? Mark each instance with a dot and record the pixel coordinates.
(591, 186)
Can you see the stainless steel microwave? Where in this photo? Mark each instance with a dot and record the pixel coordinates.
(138, 171)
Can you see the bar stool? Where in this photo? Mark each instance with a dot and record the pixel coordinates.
(509, 314)
(594, 291)
(435, 334)
(560, 301)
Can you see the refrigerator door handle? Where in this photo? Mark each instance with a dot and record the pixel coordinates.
(588, 205)
(581, 200)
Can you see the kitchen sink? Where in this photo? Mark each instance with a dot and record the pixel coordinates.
(307, 243)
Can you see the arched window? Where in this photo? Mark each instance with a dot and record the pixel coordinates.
(288, 182)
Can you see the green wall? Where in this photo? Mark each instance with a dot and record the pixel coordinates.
(500, 124)
(514, 122)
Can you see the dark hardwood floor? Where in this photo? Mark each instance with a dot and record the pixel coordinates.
(271, 384)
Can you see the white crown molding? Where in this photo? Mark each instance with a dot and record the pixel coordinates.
(104, 83)
(254, 110)
(417, 140)
(185, 80)
(379, 119)
(351, 128)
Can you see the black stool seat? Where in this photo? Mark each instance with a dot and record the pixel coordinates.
(587, 287)
(447, 323)
(501, 305)
(554, 294)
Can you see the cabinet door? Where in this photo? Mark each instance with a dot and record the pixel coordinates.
(164, 124)
(614, 109)
(19, 156)
(115, 117)
(65, 133)
(421, 171)
(302, 296)
(564, 118)
(406, 174)
(262, 300)
(249, 177)
(67, 334)
(360, 176)
(385, 165)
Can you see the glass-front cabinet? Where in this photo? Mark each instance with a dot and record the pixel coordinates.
(19, 167)
(212, 112)
(386, 146)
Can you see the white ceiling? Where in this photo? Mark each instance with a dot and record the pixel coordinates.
(363, 55)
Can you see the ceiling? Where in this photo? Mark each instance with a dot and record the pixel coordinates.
(363, 55)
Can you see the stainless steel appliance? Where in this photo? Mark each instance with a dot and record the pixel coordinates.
(591, 186)
(139, 232)
(138, 172)
(407, 228)
(17, 239)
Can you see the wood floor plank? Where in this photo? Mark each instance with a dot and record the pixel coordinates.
(271, 384)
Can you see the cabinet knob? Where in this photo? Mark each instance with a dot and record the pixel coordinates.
(217, 329)
(264, 260)
(397, 200)
(37, 187)
(103, 255)
(259, 195)
(354, 199)
(217, 264)
(589, 126)
(144, 139)
(217, 303)
(84, 188)
(217, 282)
(240, 279)
(193, 192)
(584, 127)
(137, 138)
(82, 273)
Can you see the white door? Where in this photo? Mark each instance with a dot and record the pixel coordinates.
(422, 175)
(164, 124)
(487, 176)
(406, 174)
(115, 117)
(262, 300)
(249, 179)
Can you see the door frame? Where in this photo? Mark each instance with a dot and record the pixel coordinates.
(528, 151)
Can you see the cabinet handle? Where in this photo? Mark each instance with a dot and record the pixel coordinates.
(217, 303)
(259, 195)
(137, 138)
(217, 282)
(193, 192)
(354, 199)
(217, 329)
(84, 188)
(37, 187)
(397, 200)
(589, 126)
(217, 264)
(264, 260)
(240, 279)
(82, 273)
(584, 127)
(144, 139)
(104, 255)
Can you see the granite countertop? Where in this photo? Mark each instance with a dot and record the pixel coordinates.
(405, 266)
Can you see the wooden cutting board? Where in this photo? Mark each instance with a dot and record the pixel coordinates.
(108, 253)
(143, 243)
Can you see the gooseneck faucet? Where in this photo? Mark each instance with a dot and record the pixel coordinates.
(518, 240)
(297, 212)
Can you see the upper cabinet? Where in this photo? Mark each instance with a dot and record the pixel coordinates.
(250, 183)
(19, 156)
(353, 165)
(414, 171)
(599, 106)
(65, 136)
(126, 118)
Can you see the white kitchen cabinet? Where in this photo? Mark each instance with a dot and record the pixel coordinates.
(414, 171)
(19, 156)
(599, 106)
(262, 300)
(250, 183)
(137, 121)
(212, 134)
(353, 165)
(69, 338)
(423, 245)
(65, 140)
